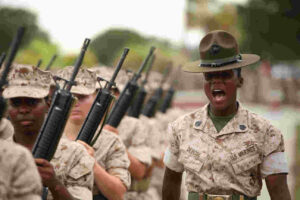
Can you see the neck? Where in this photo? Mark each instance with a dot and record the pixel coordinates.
(25, 139)
(72, 129)
(226, 112)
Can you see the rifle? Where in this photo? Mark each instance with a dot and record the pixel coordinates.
(39, 63)
(13, 51)
(151, 105)
(50, 63)
(167, 100)
(135, 109)
(100, 106)
(53, 126)
(2, 58)
(127, 95)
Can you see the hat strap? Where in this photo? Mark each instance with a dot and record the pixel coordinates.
(221, 62)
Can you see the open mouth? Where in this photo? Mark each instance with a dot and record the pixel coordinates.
(218, 93)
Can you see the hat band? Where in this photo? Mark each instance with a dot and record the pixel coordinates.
(221, 62)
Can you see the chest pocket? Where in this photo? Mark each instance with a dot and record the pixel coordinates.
(247, 161)
(193, 159)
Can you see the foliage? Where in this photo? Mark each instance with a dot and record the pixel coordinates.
(11, 20)
(271, 29)
(109, 43)
(89, 59)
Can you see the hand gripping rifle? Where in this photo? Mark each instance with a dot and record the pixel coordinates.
(13, 51)
(127, 95)
(136, 107)
(50, 63)
(53, 126)
(150, 107)
(99, 107)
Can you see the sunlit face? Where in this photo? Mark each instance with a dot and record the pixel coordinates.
(27, 114)
(221, 90)
(81, 108)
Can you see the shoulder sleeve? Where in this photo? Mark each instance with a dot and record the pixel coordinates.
(139, 147)
(172, 152)
(273, 141)
(117, 162)
(26, 181)
(274, 163)
(80, 177)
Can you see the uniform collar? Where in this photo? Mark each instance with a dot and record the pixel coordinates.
(238, 124)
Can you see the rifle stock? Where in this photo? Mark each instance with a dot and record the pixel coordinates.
(119, 109)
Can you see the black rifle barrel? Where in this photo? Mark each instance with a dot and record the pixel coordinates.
(99, 107)
(2, 58)
(112, 80)
(13, 51)
(51, 62)
(53, 126)
(78, 63)
(121, 106)
(39, 63)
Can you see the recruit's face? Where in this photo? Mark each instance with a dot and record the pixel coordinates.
(221, 90)
(81, 108)
(27, 114)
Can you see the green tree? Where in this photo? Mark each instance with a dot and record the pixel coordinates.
(108, 44)
(11, 19)
(271, 28)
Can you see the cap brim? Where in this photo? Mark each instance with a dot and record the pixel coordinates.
(22, 91)
(194, 67)
(82, 90)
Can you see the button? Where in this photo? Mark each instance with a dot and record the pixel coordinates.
(242, 127)
(197, 123)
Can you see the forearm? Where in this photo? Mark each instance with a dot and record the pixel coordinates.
(136, 168)
(171, 185)
(277, 187)
(110, 186)
(59, 191)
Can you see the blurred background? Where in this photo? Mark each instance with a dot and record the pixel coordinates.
(269, 28)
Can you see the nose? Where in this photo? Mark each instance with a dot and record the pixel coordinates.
(24, 109)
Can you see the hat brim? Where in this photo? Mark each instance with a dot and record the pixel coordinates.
(194, 67)
(21, 91)
(82, 90)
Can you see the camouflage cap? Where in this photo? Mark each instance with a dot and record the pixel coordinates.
(85, 80)
(27, 81)
(154, 81)
(107, 72)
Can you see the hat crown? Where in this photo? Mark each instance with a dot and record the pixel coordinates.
(85, 80)
(27, 81)
(218, 45)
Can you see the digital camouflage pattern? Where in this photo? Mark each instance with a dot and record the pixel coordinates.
(111, 154)
(134, 135)
(85, 80)
(27, 81)
(73, 167)
(106, 73)
(6, 129)
(19, 177)
(220, 162)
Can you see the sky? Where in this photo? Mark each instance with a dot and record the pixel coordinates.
(69, 22)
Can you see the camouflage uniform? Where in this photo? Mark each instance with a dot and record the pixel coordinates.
(246, 150)
(72, 164)
(6, 128)
(19, 178)
(110, 152)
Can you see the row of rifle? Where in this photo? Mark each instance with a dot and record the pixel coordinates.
(53, 126)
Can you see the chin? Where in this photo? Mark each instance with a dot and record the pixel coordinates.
(76, 119)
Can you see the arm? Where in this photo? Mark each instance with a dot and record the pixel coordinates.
(137, 169)
(277, 187)
(171, 185)
(111, 186)
(49, 179)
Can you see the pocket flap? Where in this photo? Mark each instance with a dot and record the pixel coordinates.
(246, 163)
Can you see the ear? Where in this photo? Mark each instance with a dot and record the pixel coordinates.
(240, 82)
